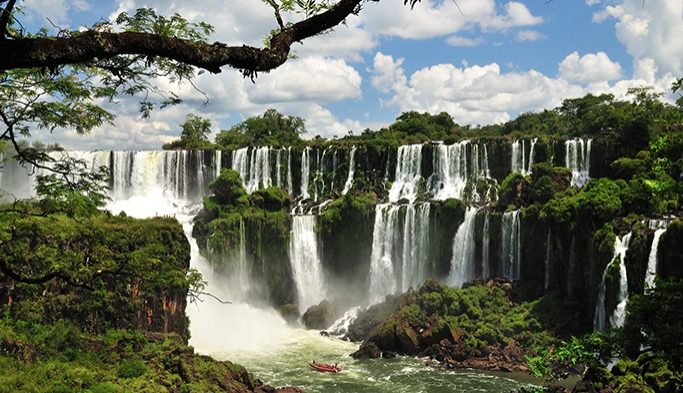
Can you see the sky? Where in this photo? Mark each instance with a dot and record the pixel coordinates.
(481, 61)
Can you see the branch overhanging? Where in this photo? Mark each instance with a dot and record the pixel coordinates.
(97, 45)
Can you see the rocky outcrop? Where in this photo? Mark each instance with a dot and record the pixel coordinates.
(477, 327)
(320, 316)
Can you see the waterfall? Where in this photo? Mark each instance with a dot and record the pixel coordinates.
(305, 261)
(660, 227)
(531, 156)
(511, 245)
(577, 158)
(519, 162)
(305, 170)
(318, 179)
(408, 173)
(352, 170)
(462, 263)
(254, 168)
(283, 176)
(399, 249)
(382, 276)
(415, 243)
(450, 170)
(485, 269)
(600, 319)
(517, 157)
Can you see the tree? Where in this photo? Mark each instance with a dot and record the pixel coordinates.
(273, 128)
(194, 135)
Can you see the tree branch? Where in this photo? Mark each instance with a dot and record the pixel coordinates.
(93, 45)
(6, 14)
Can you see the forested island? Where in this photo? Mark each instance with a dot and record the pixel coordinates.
(502, 243)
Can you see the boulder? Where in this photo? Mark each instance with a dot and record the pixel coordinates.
(367, 350)
(319, 317)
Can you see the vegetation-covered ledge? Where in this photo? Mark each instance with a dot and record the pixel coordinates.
(97, 304)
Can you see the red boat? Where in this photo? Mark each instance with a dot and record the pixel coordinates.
(330, 368)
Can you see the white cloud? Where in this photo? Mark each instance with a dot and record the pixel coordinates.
(529, 35)
(57, 10)
(432, 18)
(589, 68)
(462, 41)
(592, 2)
(483, 95)
(649, 30)
(310, 79)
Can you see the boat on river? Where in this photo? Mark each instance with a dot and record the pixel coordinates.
(330, 368)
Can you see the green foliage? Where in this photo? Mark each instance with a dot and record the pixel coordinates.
(131, 369)
(146, 20)
(194, 135)
(271, 129)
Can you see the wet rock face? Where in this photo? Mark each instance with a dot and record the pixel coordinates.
(319, 317)
(368, 350)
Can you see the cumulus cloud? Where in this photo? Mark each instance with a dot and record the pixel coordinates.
(529, 35)
(436, 18)
(482, 94)
(589, 68)
(462, 41)
(649, 31)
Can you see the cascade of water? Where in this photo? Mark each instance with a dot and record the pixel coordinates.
(382, 277)
(660, 227)
(415, 240)
(517, 157)
(548, 258)
(450, 170)
(408, 173)
(462, 263)
(305, 170)
(352, 170)
(254, 168)
(577, 158)
(485, 269)
(341, 325)
(305, 261)
(531, 156)
(399, 249)
(600, 320)
(318, 178)
(283, 169)
(511, 245)
(278, 168)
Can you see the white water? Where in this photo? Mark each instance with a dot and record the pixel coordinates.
(519, 163)
(660, 227)
(382, 277)
(462, 263)
(601, 322)
(399, 249)
(305, 261)
(450, 170)
(305, 171)
(284, 180)
(408, 174)
(577, 158)
(352, 170)
(511, 245)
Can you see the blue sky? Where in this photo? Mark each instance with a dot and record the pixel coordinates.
(482, 61)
